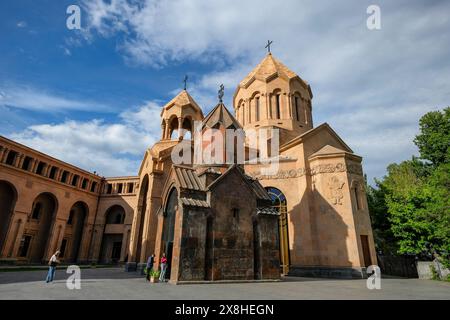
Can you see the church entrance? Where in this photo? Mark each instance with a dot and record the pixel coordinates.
(279, 202)
(169, 228)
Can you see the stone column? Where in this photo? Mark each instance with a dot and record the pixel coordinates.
(163, 130)
(46, 171)
(289, 104)
(125, 240)
(14, 234)
(5, 155)
(34, 165)
(180, 127)
(22, 159)
(249, 100)
(2, 151)
(167, 129)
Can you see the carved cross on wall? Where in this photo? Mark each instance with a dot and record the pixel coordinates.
(269, 42)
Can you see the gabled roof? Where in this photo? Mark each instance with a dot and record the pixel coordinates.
(253, 184)
(182, 99)
(268, 69)
(310, 133)
(220, 114)
(187, 178)
(328, 150)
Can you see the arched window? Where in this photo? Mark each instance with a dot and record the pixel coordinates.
(297, 108)
(173, 128)
(115, 215)
(279, 202)
(257, 109)
(277, 106)
(187, 129)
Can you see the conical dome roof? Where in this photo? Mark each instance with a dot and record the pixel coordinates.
(182, 99)
(220, 114)
(268, 69)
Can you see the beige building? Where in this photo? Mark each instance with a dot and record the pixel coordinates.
(317, 195)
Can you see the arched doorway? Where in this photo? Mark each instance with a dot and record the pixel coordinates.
(37, 230)
(142, 208)
(169, 227)
(8, 197)
(70, 246)
(279, 202)
(111, 247)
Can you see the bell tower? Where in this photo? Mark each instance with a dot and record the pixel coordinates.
(178, 117)
(273, 96)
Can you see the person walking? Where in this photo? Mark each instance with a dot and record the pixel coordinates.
(162, 276)
(149, 266)
(52, 263)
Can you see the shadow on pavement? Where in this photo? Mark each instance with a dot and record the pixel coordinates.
(40, 275)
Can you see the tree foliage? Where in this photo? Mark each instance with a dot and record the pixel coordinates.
(410, 207)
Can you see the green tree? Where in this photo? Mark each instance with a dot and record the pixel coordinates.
(434, 138)
(410, 208)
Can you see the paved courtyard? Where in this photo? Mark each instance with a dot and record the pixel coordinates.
(114, 283)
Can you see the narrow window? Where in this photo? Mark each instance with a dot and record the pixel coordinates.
(24, 245)
(53, 171)
(64, 176)
(235, 213)
(130, 187)
(119, 188)
(84, 183)
(109, 188)
(11, 157)
(278, 115)
(297, 111)
(26, 163)
(257, 109)
(75, 180)
(40, 168)
(93, 186)
(357, 200)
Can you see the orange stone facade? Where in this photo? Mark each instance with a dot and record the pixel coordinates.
(322, 225)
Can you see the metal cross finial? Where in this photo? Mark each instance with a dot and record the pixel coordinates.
(185, 81)
(221, 89)
(269, 42)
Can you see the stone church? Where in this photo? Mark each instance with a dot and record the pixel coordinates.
(214, 221)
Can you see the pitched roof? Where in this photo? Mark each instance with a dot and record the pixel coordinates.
(328, 150)
(194, 202)
(253, 184)
(220, 114)
(301, 138)
(268, 68)
(182, 99)
(187, 178)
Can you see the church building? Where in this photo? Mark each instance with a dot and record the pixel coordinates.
(214, 221)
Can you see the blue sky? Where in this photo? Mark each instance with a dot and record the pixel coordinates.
(92, 96)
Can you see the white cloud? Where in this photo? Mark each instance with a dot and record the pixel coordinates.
(111, 149)
(372, 86)
(31, 98)
(22, 24)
